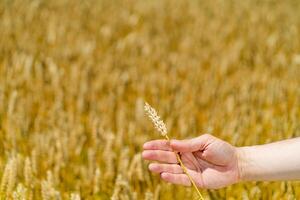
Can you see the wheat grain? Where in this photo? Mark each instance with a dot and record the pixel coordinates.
(158, 123)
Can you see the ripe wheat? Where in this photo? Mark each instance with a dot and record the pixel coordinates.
(72, 75)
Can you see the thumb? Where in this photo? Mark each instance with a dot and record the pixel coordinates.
(190, 145)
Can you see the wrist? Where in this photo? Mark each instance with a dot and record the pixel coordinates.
(243, 163)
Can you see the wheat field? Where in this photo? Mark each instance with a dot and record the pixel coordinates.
(74, 76)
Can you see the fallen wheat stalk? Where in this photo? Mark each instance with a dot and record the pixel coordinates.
(161, 127)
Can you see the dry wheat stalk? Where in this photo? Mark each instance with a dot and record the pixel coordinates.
(96, 181)
(9, 178)
(161, 127)
(28, 174)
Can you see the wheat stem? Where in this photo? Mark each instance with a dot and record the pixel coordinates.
(186, 172)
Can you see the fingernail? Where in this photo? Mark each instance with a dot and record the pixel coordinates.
(174, 142)
(144, 154)
(145, 145)
(151, 167)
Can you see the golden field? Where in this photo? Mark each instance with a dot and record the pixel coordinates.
(74, 76)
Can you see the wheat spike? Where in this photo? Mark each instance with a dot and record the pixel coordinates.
(158, 123)
(12, 176)
(48, 191)
(4, 180)
(28, 175)
(97, 181)
(20, 193)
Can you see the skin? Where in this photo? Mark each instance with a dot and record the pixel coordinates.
(214, 163)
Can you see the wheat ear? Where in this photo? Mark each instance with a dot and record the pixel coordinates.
(161, 127)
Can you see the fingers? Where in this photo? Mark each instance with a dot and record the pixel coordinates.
(173, 173)
(170, 168)
(157, 145)
(191, 145)
(181, 179)
(160, 156)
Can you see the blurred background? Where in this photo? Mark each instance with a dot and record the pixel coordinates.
(74, 76)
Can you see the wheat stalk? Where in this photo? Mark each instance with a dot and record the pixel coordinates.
(161, 127)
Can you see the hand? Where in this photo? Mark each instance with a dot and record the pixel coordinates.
(211, 162)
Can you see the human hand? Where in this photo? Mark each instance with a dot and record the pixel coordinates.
(211, 162)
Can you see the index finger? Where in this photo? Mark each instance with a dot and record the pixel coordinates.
(157, 145)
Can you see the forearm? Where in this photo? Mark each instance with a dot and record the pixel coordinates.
(274, 161)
